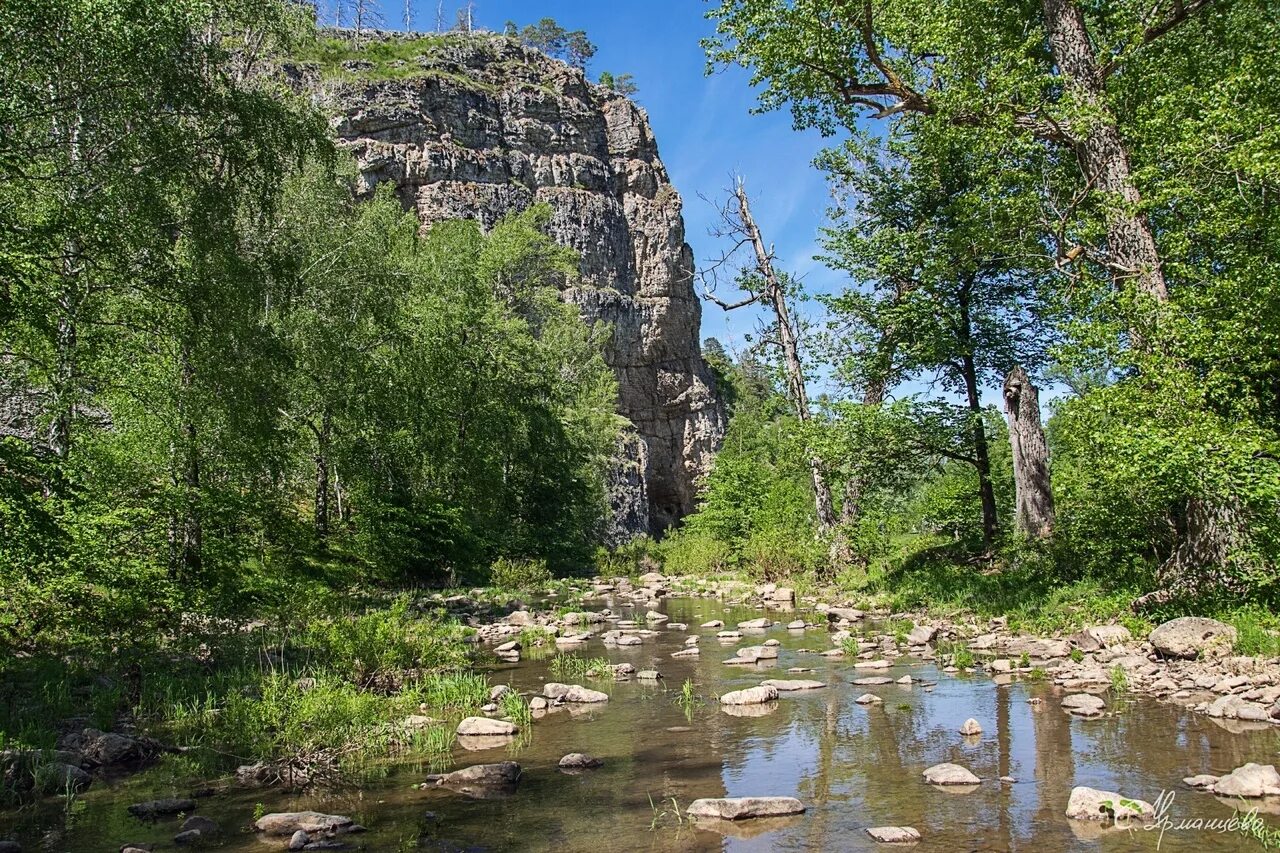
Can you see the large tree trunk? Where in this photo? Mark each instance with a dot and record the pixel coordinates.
(790, 355)
(1102, 154)
(1032, 486)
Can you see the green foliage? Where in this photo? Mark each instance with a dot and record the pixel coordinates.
(623, 84)
(519, 575)
(974, 243)
(572, 46)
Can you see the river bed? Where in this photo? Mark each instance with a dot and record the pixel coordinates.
(853, 766)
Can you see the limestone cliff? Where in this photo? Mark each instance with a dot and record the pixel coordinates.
(479, 127)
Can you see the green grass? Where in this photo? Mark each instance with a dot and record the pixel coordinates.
(961, 657)
(1119, 680)
(1257, 631)
(314, 684)
(570, 667)
(515, 709)
(391, 59)
(688, 698)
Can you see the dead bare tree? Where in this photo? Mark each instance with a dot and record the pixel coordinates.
(764, 286)
(365, 15)
(1032, 486)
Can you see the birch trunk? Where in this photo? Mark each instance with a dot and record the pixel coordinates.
(777, 299)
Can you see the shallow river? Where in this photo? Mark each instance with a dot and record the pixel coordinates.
(853, 766)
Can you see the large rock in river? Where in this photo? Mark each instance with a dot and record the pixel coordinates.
(950, 774)
(742, 808)
(750, 696)
(502, 773)
(287, 823)
(483, 726)
(1092, 804)
(1249, 780)
(575, 693)
(1191, 636)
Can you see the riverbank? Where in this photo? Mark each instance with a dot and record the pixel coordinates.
(320, 703)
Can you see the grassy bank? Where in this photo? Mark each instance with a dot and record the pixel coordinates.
(316, 688)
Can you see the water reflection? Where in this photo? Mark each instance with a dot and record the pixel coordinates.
(854, 766)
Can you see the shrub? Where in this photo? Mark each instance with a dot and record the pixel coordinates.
(519, 575)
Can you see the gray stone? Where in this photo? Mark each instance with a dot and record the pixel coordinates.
(574, 693)
(894, 834)
(1191, 636)
(579, 761)
(58, 778)
(1092, 804)
(287, 823)
(207, 827)
(921, 634)
(784, 685)
(1249, 780)
(1084, 705)
(750, 696)
(970, 727)
(744, 808)
(1201, 781)
(950, 774)
(485, 727)
(501, 773)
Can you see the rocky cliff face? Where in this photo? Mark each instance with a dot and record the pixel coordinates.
(479, 127)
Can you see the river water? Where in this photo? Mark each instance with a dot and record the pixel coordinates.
(853, 766)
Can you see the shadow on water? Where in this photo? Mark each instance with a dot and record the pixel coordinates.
(853, 766)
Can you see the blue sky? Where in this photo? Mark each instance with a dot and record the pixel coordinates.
(704, 126)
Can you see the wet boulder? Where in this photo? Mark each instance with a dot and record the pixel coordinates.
(970, 728)
(481, 781)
